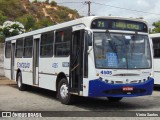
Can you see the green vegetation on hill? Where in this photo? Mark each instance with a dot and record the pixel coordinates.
(36, 14)
(33, 15)
(156, 28)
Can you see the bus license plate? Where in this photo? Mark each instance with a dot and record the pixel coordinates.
(127, 88)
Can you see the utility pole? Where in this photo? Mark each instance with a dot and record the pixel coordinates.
(89, 7)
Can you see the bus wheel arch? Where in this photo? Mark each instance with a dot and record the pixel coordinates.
(62, 88)
(60, 76)
(18, 71)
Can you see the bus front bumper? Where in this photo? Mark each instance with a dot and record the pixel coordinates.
(98, 88)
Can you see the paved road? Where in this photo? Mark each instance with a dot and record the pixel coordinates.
(36, 99)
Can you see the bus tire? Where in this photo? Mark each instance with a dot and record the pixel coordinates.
(20, 85)
(114, 99)
(63, 93)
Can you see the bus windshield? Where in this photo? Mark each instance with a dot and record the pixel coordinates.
(122, 51)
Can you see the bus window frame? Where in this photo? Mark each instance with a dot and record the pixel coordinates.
(19, 39)
(153, 39)
(7, 49)
(27, 47)
(40, 45)
(60, 30)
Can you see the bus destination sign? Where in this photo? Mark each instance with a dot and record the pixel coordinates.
(115, 24)
(124, 25)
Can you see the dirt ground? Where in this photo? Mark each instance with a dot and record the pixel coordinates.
(6, 81)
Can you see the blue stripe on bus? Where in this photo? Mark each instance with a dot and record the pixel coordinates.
(98, 88)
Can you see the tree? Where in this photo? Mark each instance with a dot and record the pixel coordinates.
(28, 21)
(10, 28)
(53, 3)
(11, 8)
(156, 28)
(2, 18)
(47, 1)
(45, 22)
(35, 1)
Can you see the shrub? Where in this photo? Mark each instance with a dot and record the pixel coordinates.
(35, 1)
(53, 3)
(10, 28)
(47, 1)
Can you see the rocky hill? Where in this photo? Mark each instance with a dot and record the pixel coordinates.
(36, 14)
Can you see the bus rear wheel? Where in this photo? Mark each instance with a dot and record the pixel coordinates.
(20, 85)
(114, 99)
(63, 93)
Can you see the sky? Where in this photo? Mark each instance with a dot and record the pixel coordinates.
(150, 8)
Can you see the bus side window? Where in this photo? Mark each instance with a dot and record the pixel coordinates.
(156, 47)
(62, 42)
(28, 43)
(8, 50)
(47, 44)
(19, 48)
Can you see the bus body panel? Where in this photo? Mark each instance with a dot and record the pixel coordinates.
(156, 71)
(27, 77)
(47, 81)
(48, 73)
(25, 66)
(45, 65)
(61, 65)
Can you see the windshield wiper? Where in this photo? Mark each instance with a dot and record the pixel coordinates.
(112, 43)
(133, 44)
(110, 39)
(109, 35)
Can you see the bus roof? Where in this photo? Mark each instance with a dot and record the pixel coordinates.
(154, 35)
(84, 20)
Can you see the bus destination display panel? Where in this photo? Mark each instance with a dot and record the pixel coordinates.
(115, 24)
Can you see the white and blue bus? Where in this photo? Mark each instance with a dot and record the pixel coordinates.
(91, 56)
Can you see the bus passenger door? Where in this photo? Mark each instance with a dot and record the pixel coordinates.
(76, 62)
(12, 60)
(36, 60)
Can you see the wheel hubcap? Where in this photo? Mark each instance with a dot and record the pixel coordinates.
(64, 91)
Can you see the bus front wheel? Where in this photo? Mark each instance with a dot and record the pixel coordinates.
(20, 85)
(63, 93)
(114, 99)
